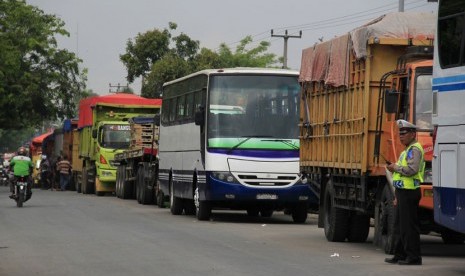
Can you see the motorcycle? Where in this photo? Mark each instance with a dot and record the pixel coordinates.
(4, 179)
(21, 191)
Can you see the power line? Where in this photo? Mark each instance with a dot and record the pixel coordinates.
(329, 23)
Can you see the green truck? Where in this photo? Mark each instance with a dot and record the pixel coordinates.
(104, 131)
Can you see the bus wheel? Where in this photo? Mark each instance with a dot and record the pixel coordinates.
(384, 221)
(451, 237)
(266, 213)
(300, 213)
(203, 208)
(252, 212)
(336, 220)
(175, 202)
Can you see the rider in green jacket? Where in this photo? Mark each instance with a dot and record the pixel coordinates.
(22, 167)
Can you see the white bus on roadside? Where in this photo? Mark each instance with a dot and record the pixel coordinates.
(229, 139)
(449, 116)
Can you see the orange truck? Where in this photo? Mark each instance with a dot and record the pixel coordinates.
(354, 88)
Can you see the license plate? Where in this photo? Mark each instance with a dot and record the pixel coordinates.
(267, 196)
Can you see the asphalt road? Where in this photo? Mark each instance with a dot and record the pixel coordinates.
(65, 233)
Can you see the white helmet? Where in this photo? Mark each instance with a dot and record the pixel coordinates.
(44, 156)
(403, 124)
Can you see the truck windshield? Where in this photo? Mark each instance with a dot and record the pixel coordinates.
(424, 103)
(252, 106)
(115, 136)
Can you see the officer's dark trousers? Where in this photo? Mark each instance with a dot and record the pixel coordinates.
(407, 226)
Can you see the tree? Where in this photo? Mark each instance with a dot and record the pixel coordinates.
(147, 48)
(173, 67)
(37, 80)
(159, 57)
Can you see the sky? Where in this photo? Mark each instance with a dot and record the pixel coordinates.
(100, 29)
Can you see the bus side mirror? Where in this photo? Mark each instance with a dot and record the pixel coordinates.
(391, 101)
(94, 133)
(199, 118)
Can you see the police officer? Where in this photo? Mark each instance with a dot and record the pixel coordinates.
(407, 175)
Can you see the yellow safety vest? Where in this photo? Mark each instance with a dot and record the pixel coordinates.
(409, 182)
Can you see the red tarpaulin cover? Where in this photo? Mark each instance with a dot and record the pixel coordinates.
(39, 139)
(86, 105)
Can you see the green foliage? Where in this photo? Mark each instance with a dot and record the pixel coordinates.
(37, 80)
(11, 140)
(157, 63)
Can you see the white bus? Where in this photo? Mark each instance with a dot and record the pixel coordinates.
(449, 116)
(229, 139)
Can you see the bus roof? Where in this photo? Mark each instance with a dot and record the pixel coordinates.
(237, 70)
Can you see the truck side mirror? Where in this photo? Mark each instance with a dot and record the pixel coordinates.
(94, 133)
(199, 118)
(156, 119)
(391, 101)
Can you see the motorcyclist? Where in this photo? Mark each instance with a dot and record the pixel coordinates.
(22, 167)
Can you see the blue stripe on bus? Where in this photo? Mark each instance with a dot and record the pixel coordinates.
(451, 79)
(259, 153)
(449, 87)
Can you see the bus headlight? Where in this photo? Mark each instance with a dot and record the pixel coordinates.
(224, 176)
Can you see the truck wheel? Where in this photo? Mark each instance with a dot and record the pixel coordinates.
(175, 202)
(146, 191)
(78, 182)
(160, 196)
(384, 221)
(126, 186)
(300, 213)
(451, 237)
(84, 181)
(118, 175)
(90, 185)
(336, 220)
(203, 208)
(359, 227)
(138, 183)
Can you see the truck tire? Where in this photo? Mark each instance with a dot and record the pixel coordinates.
(78, 181)
(146, 191)
(300, 213)
(160, 196)
(203, 208)
(126, 186)
(359, 227)
(384, 221)
(118, 182)
(84, 181)
(336, 220)
(89, 184)
(175, 202)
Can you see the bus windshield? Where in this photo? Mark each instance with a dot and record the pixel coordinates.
(115, 136)
(242, 107)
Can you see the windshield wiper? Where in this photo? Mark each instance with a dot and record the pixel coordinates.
(248, 137)
(286, 142)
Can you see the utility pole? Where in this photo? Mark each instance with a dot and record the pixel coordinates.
(401, 5)
(286, 37)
